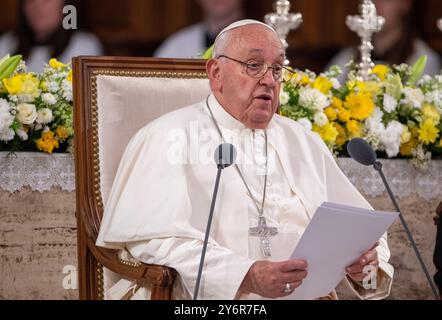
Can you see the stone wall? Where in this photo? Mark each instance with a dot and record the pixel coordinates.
(37, 241)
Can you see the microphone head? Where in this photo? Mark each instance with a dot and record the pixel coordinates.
(361, 151)
(225, 155)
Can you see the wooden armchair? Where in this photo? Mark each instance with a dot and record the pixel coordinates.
(114, 97)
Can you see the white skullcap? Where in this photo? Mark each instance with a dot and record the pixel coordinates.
(242, 23)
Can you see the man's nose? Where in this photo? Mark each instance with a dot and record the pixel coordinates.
(268, 78)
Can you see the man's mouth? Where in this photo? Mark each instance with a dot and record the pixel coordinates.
(264, 97)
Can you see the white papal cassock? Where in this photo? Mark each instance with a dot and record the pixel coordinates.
(158, 206)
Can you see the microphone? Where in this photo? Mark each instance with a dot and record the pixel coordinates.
(225, 156)
(361, 151)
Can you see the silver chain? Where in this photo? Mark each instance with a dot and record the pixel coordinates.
(260, 211)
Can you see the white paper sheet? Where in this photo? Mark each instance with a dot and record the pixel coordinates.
(335, 238)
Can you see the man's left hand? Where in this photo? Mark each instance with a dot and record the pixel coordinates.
(370, 258)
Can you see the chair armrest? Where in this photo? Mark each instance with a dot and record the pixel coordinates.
(156, 275)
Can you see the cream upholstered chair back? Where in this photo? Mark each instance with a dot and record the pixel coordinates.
(114, 98)
(125, 104)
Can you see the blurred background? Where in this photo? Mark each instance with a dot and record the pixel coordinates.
(139, 27)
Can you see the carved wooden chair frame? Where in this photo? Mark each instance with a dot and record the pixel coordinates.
(92, 259)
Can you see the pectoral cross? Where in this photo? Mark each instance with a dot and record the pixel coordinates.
(264, 232)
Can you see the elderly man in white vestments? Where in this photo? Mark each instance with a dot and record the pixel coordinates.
(159, 203)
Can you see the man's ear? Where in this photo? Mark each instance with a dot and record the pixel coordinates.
(214, 73)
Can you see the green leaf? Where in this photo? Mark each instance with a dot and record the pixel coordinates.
(417, 70)
(208, 54)
(8, 66)
(394, 87)
(4, 59)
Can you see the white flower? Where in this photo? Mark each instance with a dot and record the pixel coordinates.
(25, 98)
(44, 116)
(374, 122)
(313, 99)
(391, 139)
(390, 103)
(403, 67)
(435, 98)
(284, 97)
(7, 134)
(62, 74)
(421, 159)
(26, 113)
(67, 90)
(22, 134)
(305, 123)
(53, 86)
(320, 119)
(414, 97)
(424, 80)
(335, 83)
(13, 98)
(49, 98)
(373, 140)
(6, 120)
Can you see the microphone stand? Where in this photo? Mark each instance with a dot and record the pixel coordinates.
(378, 167)
(206, 239)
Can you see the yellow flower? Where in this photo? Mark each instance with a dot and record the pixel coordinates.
(331, 113)
(301, 79)
(430, 112)
(428, 132)
(440, 143)
(48, 135)
(54, 63)
(344, 115)
(13, 85)
(328, 132)
(22, 84)
(43, 85)
(62, 133)
(69, 77)
(381, 71)
(367, 87)
(337, 103)
(354, 128)
(406, 135)
(406, 149)
(342, 135)
(360, 105)
(47, 142)
(322, 84)
(30, 85)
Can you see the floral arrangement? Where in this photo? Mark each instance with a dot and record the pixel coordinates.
(396, 111)
(35, 109)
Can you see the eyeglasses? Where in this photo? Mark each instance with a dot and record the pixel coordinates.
(258, 69)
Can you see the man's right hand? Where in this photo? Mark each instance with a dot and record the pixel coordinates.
(269, 279)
